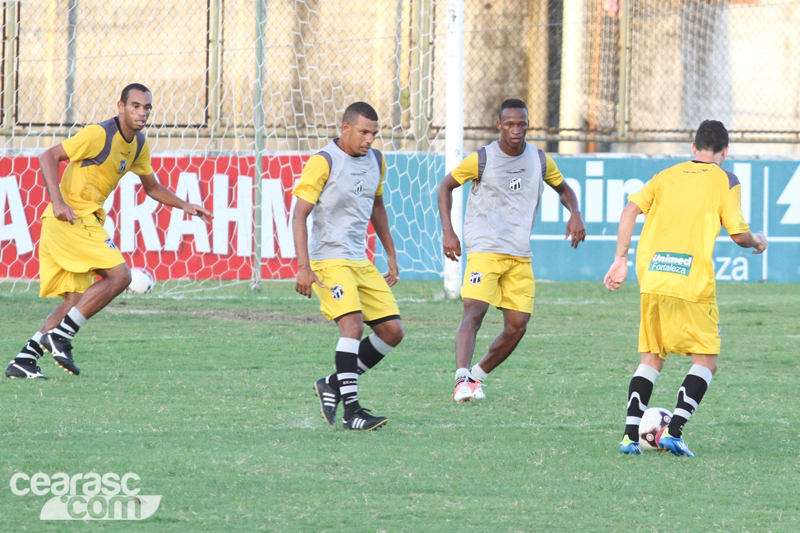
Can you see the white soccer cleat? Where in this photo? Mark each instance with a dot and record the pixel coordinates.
(463, 392)
(477, 390)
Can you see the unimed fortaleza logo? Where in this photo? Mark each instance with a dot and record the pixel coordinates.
(669, 262)
(87, 496)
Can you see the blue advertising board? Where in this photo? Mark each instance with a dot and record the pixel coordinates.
(770, 200)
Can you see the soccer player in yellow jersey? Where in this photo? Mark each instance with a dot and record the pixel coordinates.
(342, 188)
(508, 178)
(74, 248)
(685, 207)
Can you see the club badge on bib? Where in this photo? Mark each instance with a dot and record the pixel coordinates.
(515, 184)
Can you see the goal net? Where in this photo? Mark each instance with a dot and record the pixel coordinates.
(243, 93)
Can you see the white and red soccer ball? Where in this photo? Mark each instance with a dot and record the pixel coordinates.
(142, 281)
(654, 423)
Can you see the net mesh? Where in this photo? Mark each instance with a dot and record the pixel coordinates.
(64, 63)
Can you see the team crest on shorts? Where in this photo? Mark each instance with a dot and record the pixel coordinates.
(337, 292)
(475, 277)
(123, 166)
(515, 184)
(110, 244)
(359, 187)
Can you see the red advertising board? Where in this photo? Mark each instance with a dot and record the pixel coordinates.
(162, 239)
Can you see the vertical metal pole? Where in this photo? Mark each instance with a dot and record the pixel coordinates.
(555, 43)
(214, 63)
(420, 72)
(622, 96)
(9, 72)
(72, 61)
(454, 130)
(258, 124)
(764, 264)
(397, 105)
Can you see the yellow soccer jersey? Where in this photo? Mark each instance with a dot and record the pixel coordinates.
(468, 170)
(685, 207)
(99, 157)
(315, 175)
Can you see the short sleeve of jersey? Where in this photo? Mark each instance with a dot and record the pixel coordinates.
(313, 179)
(645, 197)
(732, 215)
(142, 166)
(553, 176)
(467, 170)
(379, 192)
(86, 144)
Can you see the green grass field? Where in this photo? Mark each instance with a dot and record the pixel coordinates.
(208, 398)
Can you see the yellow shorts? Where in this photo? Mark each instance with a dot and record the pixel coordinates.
(69, 254)
(674, 325)
(352, 286)
(504, 281)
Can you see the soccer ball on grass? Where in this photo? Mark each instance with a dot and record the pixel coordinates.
(142, 281)
(654, 422)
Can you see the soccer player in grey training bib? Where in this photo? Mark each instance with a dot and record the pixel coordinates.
(508, 178)
(342, 188)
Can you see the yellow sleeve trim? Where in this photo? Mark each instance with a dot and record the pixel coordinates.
(313, 179)
(379, 192)
(553, 176)
(467, 170)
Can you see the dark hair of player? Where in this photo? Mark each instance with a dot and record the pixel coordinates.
(132, 87)
(511, 103)
(711, 135)
(357, 109)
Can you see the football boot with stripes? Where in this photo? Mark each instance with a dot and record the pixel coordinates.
(24, 369)
(629, 447)
(328, 399)
(361, 419)
(61, 350)
(674, 445)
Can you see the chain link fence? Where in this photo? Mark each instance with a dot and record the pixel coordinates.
(590, 70)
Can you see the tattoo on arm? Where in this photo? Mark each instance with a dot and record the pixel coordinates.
(624, 253)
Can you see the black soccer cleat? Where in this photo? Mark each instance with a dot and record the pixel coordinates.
(328, 399)
(61, 349)
(361, 419)
(24, 370)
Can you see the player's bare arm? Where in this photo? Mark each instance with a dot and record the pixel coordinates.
(305, 276)
(450, 242)
(48, 162)
(161, 194)
(619, 268)
(380, 221)
(575, 226)
(751, 240)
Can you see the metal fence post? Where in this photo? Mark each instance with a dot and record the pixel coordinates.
(622, 95)
(258, 124)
